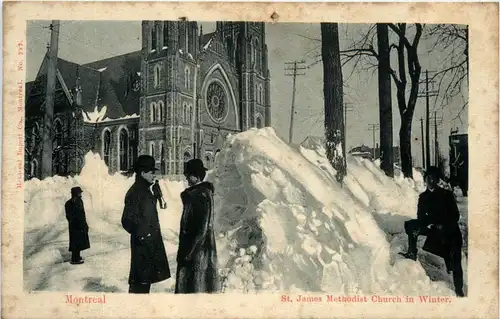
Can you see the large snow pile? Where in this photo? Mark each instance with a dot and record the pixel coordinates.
(283, 223)
(309, 233)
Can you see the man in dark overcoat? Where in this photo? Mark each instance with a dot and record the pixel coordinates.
(437, 218)
(197, 253)
(149, 262)
(78, 227)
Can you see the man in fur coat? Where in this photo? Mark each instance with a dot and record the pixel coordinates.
(78, 228)
(149, 262)
(437, 218)
(197, 254)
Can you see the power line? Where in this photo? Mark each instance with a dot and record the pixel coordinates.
(427, 94)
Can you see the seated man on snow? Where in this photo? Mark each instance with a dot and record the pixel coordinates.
(437, 218)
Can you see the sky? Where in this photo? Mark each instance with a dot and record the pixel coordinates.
(87, 41)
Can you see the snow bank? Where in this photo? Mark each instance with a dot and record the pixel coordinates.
(282, 223)
(107, 261)
(310, 233)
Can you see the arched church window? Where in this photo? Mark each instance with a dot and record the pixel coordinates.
(162, 159)
(165, 34)
(152, 149)
(153, 112)
(187, 78)
(123, 149)
(157, 76)
(58, 133)
(256, 51)
(160, 111)
(262, 96)
(184, 113)
(258, 121)
(35, 132)
(190, 113)
(216, 101)
(154, 37)
(187, 157)
(106, 146)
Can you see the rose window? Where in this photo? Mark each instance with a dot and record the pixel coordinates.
(216, 101)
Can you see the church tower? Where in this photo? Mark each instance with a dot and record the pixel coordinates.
(169, 49)
(247, 49)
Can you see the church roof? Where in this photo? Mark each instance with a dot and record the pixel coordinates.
(105, 82)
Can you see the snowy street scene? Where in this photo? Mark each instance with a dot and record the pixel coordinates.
(245, 157)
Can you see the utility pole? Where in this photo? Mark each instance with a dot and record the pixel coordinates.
(422, 140)
(48, 118)
(427, 94)
(293, 67)
(436, 139)
(373, 128)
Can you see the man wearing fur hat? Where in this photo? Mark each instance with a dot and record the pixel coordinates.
(197, 254)
(149, 263)
(437, 218)
(78, 228)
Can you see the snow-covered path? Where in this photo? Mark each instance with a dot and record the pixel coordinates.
(283, 224)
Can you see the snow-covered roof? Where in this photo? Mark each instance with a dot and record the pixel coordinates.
(99, 116)
(206, 46)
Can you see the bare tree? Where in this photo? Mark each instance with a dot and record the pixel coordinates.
(333, 93)
(407, 58)
(452, 41)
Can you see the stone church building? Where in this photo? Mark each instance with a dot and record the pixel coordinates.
(176, 99)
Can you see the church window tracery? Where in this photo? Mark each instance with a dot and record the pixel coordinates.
(216, 101)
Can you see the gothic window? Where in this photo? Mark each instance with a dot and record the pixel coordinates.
(216, 101)
(187, 78)
(160, 111)
(58, 133)
(154, 112)
(187, 157)
(106, 146)
(190, 113)
(152, 149)
(162, 159)
(184, 113)
(258, 120)
(262, 96)
(230, 49)
(123, 149)
(35, 131)
(130, 151)
(256, 56)
(157, 76)
(165, 35)
(154, 37)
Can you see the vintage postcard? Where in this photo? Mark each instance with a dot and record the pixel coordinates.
(250, 160)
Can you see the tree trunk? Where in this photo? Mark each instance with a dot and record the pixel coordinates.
(405, 147)
(385, 100)
(333, 94)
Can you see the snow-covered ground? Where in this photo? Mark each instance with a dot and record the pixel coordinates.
(283, 223)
